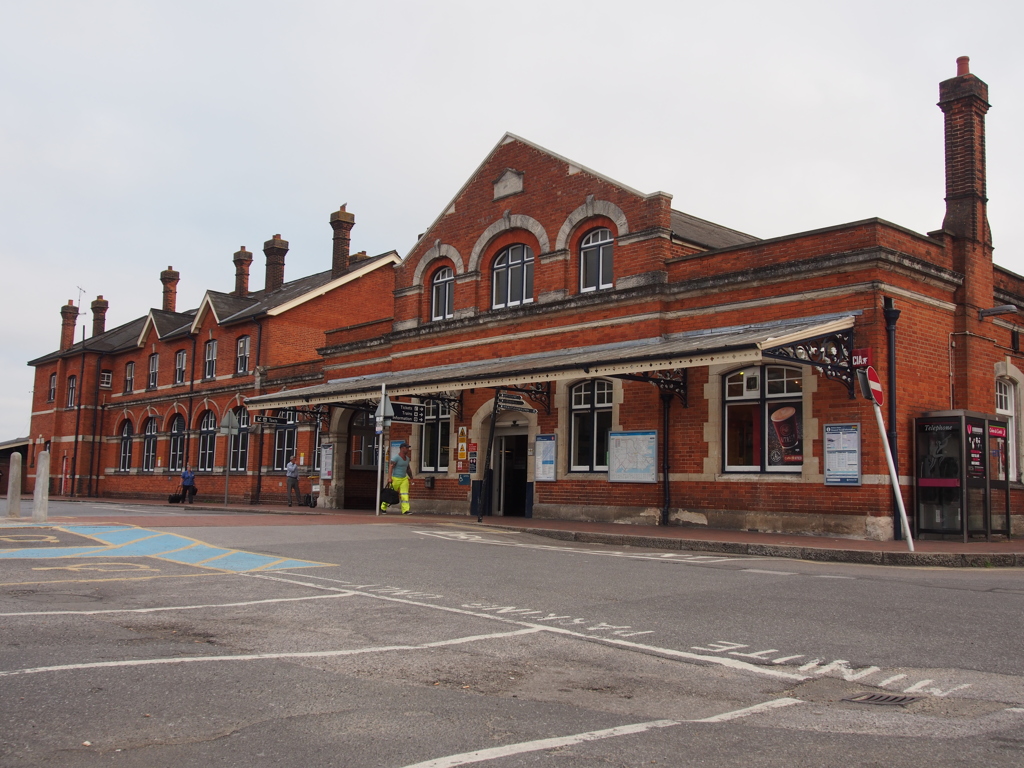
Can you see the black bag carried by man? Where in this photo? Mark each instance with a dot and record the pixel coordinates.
(389, 495)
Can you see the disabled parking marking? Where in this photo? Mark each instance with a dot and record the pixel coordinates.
(132, 541)
(103, 567)
(29, 538)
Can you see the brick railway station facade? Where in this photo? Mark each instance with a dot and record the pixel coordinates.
(671, 370)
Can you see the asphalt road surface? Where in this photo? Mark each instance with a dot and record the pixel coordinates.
(414, 643)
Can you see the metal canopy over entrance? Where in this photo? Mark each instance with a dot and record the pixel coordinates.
(825, 342)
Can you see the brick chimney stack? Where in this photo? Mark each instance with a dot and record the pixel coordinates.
(68, 320)
(243, 259)
(341, 222)
(99, 315)
(964, 101)
(169, 277)
(275, 250)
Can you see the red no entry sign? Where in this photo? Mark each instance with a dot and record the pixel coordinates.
(875, 385)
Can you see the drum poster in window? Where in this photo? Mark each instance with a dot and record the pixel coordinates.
(785, 435)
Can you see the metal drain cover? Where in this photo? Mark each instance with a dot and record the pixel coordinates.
(884, 699)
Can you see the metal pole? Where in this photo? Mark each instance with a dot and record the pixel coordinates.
(227, 472)
(894, 478)
(380, 456)
(891, 316)
(666, 403)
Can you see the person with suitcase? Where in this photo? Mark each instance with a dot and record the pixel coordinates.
(188, 485)
(401, 477)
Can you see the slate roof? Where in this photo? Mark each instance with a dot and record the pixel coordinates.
(228, 308)
(706, 233)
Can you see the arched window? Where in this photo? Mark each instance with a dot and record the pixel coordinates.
(364, 448)
(513, 277)
(176, 457)
(442, 294)
(149, 445)
(207, 441)
(242, 355)
(72, 387)
(436, 437)
(284, 439)
(764, 419)
(596, 260)
(240, 442)
(126, 447)
(591, 422)
(51, 392)
(1006, 406)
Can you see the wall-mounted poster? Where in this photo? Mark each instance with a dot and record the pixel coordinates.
(544, 458)
(842, 454)
(326, 461)
(633, 457)
(785, 436)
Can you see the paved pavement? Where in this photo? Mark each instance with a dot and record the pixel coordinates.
(948, 554)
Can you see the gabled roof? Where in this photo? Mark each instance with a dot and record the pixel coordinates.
(228, 309)
(689, 228)
(166, 324)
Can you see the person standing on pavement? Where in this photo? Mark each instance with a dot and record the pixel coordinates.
(401, 476)
(188, 484)
(291, 477)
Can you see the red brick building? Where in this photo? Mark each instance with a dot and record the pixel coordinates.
(607, 357)
(123, 411)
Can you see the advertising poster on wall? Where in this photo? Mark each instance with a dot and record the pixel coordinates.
(785, 436)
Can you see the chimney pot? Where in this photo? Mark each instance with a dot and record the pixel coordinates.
(68, 320)
(169, 277)
(275, 250)
(99, 315)
(242, 259)
(963, 66)
(341, 222)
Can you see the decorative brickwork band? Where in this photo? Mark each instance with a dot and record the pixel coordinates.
(275, 250)
(169, 277)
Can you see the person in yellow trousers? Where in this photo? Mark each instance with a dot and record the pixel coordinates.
(401, 476)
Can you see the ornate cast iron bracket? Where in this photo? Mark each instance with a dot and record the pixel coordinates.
(451, 398)
(832, 354)
(311, 413)
(671, 382)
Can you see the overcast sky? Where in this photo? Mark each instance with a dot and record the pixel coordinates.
(137, 135)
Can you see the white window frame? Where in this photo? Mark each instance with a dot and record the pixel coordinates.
(591, 399)
(601, 244)
(176, 447)
(72, 391)
(435, 435)
(513, 267)
(149, 445)
(210, 359)
(442, 294)
(129, 378)
(239, 443)
(1006, 406)
(285, 439)
(154, 370)
(106, 379)
(180, 364)
(125, 458)
(51, 393)
(760, 385)
(207, 442)
(242, 355)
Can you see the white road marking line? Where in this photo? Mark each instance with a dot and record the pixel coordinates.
(494, 753)
(179, 607)
(824, 576)
(671, 652)
(773, 573)
(265, 656)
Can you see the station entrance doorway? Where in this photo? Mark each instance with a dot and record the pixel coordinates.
(511, 486)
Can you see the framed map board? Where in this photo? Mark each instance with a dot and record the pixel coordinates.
(633, 457)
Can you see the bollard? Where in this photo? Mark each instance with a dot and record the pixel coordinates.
(14, 487)
(41, 498)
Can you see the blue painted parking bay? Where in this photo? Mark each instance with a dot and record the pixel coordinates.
(129, 541)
